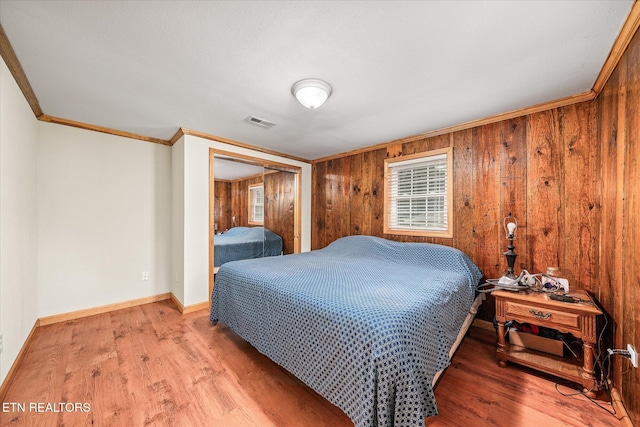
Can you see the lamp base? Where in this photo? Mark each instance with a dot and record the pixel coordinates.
(511, 256)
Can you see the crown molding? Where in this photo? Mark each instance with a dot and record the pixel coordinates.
(184, 131)
(10, 58)
(95, 128)
(629, 28)
(627, 32)
(179, 134)
(562, 102)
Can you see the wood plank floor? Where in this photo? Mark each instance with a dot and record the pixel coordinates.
(150, 365)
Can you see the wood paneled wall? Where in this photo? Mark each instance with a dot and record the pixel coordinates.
(542, 168)
(279, 206)
(222, 205)
(232, 199)
(618, 141)
(569, 175)
(240, 200)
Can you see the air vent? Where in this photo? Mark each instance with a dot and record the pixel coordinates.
(260, 122)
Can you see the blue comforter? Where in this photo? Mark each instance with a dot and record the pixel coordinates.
(245, 242)
(366, 322)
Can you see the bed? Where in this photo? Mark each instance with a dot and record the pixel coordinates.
(366, 322)
(244, 243)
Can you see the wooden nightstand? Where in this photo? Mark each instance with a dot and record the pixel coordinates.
(536, 308)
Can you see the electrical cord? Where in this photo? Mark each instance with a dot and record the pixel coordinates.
(531, 280)
(583, 393)
(604, 379)
(524, 281)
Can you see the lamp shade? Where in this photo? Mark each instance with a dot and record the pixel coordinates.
(311, 93)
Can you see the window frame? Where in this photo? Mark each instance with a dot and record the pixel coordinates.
(388, 166)
(251, 192)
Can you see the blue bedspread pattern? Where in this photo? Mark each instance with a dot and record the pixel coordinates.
(244, 243)
(366, 322)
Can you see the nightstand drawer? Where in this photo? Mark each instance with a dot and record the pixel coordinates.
(542, 316)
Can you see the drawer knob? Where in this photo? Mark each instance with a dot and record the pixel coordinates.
(540, 314)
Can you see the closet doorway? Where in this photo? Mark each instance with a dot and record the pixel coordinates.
(232, 203)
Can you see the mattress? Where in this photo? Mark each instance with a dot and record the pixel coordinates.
(365, 322)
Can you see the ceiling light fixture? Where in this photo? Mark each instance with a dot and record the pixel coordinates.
(311, 93)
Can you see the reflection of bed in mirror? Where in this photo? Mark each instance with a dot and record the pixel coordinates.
(245, 243)
(233, 184)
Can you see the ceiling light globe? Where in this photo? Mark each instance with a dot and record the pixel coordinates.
(311, 93)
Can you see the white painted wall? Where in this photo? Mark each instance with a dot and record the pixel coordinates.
(83, 214)
(104, 217)
(177, 219)
(18, 219)
(196, 211)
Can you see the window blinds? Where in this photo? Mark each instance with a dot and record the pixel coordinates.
(418, 194)
(257, 204)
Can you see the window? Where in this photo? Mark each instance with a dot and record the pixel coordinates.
(418, 192)
(256, 204)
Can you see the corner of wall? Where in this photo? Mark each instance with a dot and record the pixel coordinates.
(18, 219)
(190, 212)
(177, 220)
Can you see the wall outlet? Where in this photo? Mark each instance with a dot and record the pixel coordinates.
(633, 355)
(1, 342)
(145, 275)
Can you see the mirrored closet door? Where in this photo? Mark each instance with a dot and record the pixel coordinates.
(252, 199)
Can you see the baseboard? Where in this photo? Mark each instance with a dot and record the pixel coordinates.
(21, 354)
(177, 303)
(57, 318)
(618, 407)
(483, 324)
(195, 307)
(189, 308)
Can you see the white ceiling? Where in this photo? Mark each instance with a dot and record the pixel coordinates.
(397, 68)
(232, 169)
